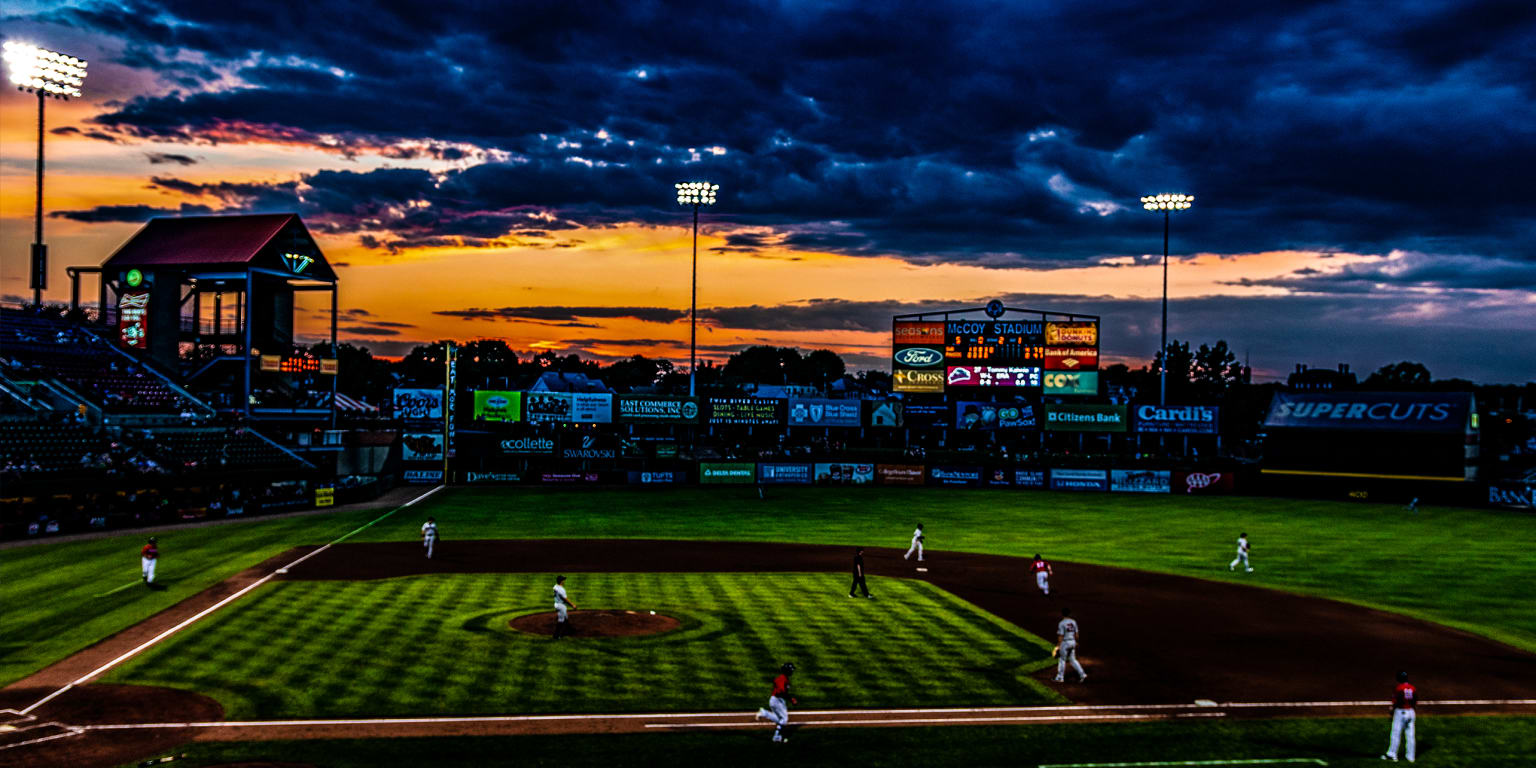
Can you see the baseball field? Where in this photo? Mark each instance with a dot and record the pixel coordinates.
(309, 639)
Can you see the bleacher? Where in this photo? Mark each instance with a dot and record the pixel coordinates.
(56, 448)
(216, 449)
(49, 347)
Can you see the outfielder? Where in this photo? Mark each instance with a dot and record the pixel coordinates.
(562, 625)
(429, 536)
(1242, 554)
(1066, 647)
(1402, 718)
(1042, 571)
(777, 711)
(917, 544)
(148, 556)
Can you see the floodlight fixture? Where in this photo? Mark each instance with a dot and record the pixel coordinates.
(696, 194)
(1167, 203)
(44, 72)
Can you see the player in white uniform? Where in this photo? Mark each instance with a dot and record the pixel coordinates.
(1242, 554)
(562, 603)
(917, 544)
(429, 536)
(1066, 647)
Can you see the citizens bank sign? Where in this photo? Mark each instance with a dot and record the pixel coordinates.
(1176, 419)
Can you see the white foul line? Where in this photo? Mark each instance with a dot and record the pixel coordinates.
(946, 720)
(1255, 761)
(220, 604)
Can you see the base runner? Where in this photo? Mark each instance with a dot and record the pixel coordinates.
(1402, 719)
(777, 711)
(1042, 570)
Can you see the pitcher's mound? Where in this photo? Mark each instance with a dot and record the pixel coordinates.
(598, 623)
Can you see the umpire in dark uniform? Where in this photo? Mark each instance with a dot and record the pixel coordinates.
(858, 574)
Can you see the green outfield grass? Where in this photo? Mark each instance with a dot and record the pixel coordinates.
(439, 645)
(1461, 567)
(1463, 742)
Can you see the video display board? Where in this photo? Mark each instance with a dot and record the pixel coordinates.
(1000, 343)
(996, 352)
(546, 406)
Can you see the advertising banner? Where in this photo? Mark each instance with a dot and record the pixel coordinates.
(998, 476)
(918, 357)
(1204, 482)
(1139, 480)
(1071, 358)
(1176, 419)
(588, 447)
(492, 478)
(824, 413)
(1004, 415)
(591, 408)
(423, 475)
(1029, 478)
(569, 478)
(652, 409)
(546, 406)
(662, 477)
(955, 475)
(1079, 480)
(419, 404)
(527, 446)
(733, 473)
(917, 332)
(992, 376)
(1085, 418)
(904, 380)
(745, 410)
(900, 474)
(785, 474)
(845, 474)
(927, 414)
(421, 446)
(884, 413)
(1447, 412)
(133, 319)
(492, 405)
(1078, 333)
(1075, 383)
(1512, 494)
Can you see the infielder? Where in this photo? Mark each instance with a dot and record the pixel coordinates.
(562, 603)
(147, 558)
(1066, 647)
(1242, 554)
(1042, 571)
(777, 711)
(917, 544)
(1402, 718)
(429, 536)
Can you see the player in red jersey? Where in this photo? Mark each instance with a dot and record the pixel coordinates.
(148, 556)
(1403, 701)
(777, 711)
(1042, 571)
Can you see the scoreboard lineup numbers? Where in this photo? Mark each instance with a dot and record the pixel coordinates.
(930, 356)
(995, 342)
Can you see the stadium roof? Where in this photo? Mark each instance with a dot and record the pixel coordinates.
(277, 241)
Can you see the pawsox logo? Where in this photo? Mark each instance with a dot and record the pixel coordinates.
(919, 357)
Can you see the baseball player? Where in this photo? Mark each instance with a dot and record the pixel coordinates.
(1042, 570)
(777, 711)
(562, 603)
(858, 574)
(148, 556)
(917, 544)
(429, 536)
(1402, 718)
(1242, 554)
(1066, 647)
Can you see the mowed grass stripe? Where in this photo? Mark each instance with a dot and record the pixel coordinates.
(435, 645)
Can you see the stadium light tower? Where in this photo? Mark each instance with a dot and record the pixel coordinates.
(1167, 203)
(696, 194)
(46, 73)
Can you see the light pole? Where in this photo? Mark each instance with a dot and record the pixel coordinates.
(46, 73)
(696, 194)
(1167, 203)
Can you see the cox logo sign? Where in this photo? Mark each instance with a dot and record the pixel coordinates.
(918, 357)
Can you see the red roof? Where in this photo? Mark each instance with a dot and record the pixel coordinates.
(199, 240)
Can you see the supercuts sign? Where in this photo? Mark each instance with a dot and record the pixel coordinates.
(1446, 412)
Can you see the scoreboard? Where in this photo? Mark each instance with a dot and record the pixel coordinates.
(1054, 357)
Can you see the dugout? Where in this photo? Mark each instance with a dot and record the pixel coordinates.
(1371, 445)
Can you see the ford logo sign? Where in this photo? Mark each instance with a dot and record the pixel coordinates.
(919, 357)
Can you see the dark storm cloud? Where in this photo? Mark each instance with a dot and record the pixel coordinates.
(567, 314)
(116, 213)
(161, 158)
(1409, 271)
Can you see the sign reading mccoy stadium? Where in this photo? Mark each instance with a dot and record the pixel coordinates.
(1372, 411)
